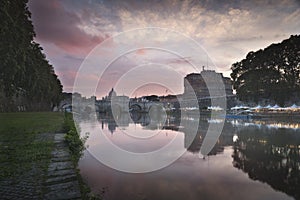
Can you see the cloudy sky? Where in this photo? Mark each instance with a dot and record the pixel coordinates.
(226, 30)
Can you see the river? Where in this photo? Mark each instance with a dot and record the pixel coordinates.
(251, 159)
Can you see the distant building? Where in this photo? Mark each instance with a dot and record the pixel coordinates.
(111, 94)
(112, 100)
(206, 85)
(170, 101)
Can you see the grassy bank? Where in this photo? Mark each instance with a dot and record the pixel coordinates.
(26, 143)
(76, 146)
(30, 122)
(75, 143)
(21, 147)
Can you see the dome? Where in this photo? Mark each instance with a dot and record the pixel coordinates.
(112, 93)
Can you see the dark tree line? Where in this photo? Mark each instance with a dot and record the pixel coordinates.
(272, 73)
(27, 80)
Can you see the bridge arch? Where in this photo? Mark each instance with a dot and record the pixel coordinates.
(135, 116)
(135, 107)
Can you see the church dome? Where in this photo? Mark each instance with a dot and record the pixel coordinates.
(112, 93)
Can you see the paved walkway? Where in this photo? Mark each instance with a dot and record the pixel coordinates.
(58, 182)
(61, 182)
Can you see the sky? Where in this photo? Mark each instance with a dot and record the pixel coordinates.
(102, 44)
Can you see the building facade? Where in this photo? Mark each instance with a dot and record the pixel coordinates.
(202, 87)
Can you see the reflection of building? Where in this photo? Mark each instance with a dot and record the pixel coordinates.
(193, 139)
(206, 85)
(112, 126)
(194, 130)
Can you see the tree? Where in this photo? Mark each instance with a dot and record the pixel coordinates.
(26, 77)
(272, 73)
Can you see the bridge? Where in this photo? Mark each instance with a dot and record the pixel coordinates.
(127, 106)
(121, 104)
(117, 106)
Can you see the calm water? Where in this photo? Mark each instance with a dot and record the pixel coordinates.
(262, 163)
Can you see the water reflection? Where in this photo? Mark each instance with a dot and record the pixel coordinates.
(253, 148)
(272, 157)
(123, 120)
(270, 124)
(186, 125)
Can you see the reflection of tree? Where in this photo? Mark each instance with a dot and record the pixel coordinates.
(273, 158)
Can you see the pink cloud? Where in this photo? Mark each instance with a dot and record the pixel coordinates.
(54, 24)
(141, 52)
(67, 77)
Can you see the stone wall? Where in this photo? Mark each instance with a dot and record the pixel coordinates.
(196, 85)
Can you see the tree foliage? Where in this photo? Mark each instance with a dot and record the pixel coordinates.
(27, 80)
(272, 73)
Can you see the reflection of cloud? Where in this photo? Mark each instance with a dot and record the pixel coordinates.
(188, 178)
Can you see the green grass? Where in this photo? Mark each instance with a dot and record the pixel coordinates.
(20, 149)
(30, 122)
(22, 146)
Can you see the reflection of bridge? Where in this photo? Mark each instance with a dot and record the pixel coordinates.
(194, 130)
(124, 119)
